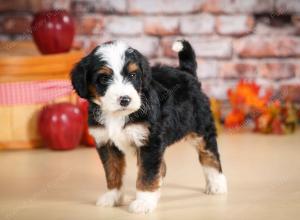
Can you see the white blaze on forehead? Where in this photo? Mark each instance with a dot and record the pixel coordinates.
(114, 54)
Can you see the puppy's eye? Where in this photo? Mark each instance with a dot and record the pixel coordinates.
(132, 75)
(103, 79)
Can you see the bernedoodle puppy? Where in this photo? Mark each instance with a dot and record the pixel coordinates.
(135, 107)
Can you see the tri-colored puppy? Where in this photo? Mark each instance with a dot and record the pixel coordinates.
(135, 107)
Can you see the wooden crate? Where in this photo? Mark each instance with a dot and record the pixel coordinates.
(21, 62)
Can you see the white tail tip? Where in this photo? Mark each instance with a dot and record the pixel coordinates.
(177, 46)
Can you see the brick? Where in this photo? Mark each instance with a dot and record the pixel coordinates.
(56, 4)
(238, 6)
(212, 47)
(290, 92)
(164, 61)
(287, 6)
(205, 47)
(119, 25)
(296, 23)
(109, 6)
(207, 69)
(297, 69)
(148, 46)
(259, 47)
(262, 28)
(217, 88)
(82, 7)
(19, 24)
(197, 24)
(35, 6)
(106, 6)
(236, 70)
(161, 25)
(235, 25)
(89, 24)
(276, 70)
(14, 5)
(88, 43)
(79, 42)
(166, 44)
(32, 5)
(275, 24)
(164, 6)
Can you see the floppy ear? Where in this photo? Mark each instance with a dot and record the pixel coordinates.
(79, 77)
(146, 72)
(145, 68)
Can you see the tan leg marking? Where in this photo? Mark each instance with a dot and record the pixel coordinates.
(206, 157)
(115, 167)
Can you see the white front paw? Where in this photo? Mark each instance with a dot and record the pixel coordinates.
(110, 198)
(145, 202)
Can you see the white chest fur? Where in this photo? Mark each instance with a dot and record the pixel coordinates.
(126, 139)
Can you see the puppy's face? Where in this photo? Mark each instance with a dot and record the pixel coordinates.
(112, 76)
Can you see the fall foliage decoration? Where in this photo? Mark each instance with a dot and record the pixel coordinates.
(269, 115)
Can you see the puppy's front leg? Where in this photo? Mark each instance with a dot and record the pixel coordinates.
(150, 161)
(113, 161)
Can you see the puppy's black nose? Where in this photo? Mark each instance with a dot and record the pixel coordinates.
(125, 100)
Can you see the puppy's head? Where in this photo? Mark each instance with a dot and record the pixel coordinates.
(113, 76)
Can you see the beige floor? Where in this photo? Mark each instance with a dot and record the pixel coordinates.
(263, 174)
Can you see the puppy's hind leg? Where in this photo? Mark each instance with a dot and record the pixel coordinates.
(216, 182)
(209, 158)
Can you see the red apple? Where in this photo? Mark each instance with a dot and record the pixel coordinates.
(53, 31)
(61, 125)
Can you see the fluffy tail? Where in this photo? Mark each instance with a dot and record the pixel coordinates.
(187, 57)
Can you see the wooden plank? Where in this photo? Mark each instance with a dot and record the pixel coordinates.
(18, 66)
(40, 59)
(18, 145)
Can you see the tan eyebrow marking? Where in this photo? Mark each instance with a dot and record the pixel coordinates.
(105, 70)
(132, 67)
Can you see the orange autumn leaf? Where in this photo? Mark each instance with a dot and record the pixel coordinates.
(234, 119)
(245, 97)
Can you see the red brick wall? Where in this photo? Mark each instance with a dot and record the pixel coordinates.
(233, 39)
